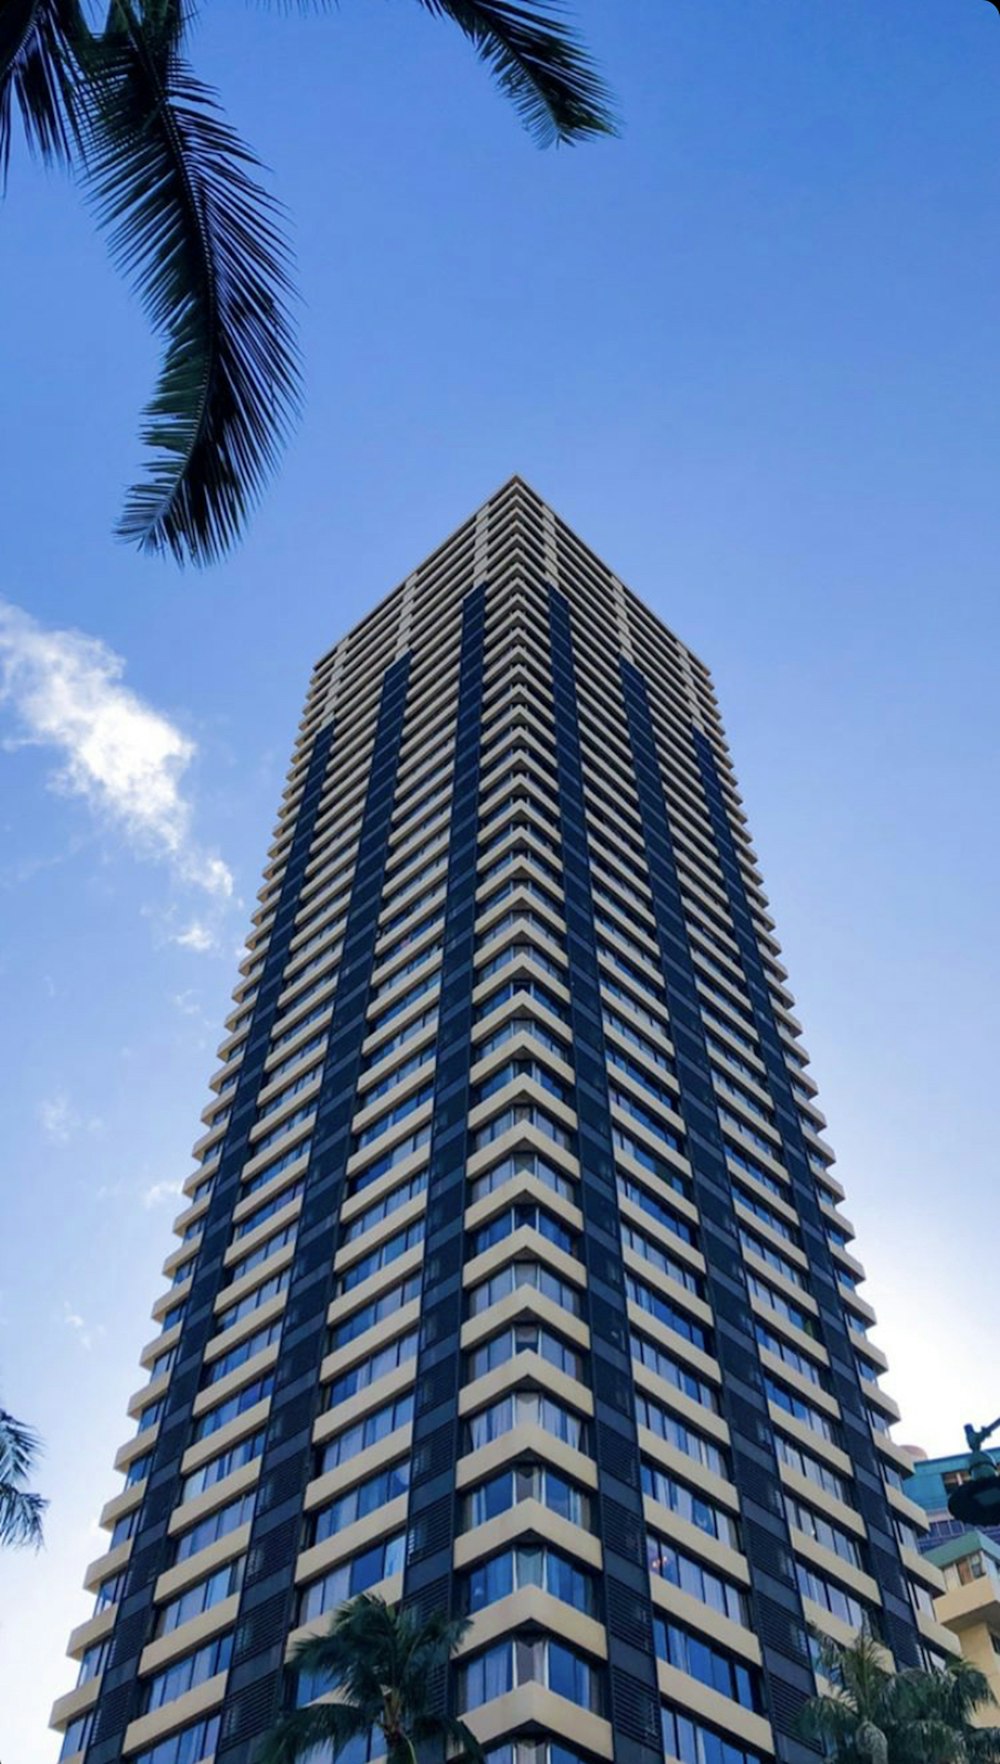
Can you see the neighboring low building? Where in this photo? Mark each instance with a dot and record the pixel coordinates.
(970, 1604)
(969, 1561)
(930, 1485)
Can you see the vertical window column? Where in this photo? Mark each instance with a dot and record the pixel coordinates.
(777, 1604)
(150, 1548)
(265, 1615)
(900, 1630)
(428, 1580)
(634, 1705)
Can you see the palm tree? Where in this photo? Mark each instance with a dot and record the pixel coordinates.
(939, 1710)
(198, 237)
(20, 1511)
(872, 1715)
(383, 1661)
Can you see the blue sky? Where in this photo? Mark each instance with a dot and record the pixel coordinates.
(750, 351)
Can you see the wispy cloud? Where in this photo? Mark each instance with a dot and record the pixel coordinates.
(197, 936)
(123, 758)
(187, 1002)
(86, 1333)
(161, 1191)
(189, 1005)
(111, 1190)
(62, 1123)
(25, 869)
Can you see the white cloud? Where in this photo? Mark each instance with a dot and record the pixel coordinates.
(161, 1191)
(197, 936)
(189, 1005)
(111, 1191)
(124, 759)
(61, 1122)
(203, 934)
(55, 1116)
(86, 1333)
(187, 1002)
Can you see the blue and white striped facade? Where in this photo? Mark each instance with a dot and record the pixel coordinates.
(513, 1278)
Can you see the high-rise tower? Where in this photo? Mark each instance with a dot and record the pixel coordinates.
(512, 1278)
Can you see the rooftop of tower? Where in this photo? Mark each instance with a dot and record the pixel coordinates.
(517, 502)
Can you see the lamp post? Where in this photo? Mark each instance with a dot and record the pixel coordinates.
(977, 1500)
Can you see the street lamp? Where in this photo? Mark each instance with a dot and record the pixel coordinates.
(977, 1500)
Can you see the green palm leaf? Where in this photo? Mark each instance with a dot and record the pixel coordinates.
(19, 1447)
(20, 1511)
(198, 237)
(380, 1660)
(982, 1744)
(537, 62)
(20, 1517)
(876, 1716)
(323, 1723)
(39, 76)
(458, 1741)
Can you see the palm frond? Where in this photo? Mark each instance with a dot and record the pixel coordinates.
(199, 239)
(873, 1715)
(830, 1721)
(437, 1633)
(328, 1659)
(296, 1734)
(358, 1654)
(39, 76)
(933, 1740)
(953, 1691)
(460, 1743)
(19, 1448)
(968, 1689)
(853, 1721)
(430, 1644)
(379, 1659)
(938, 1711)
(20, 1517)
(982, 1744)
(539, 63)
(20, 1511)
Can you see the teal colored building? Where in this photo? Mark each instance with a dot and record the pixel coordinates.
(930, 1485)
